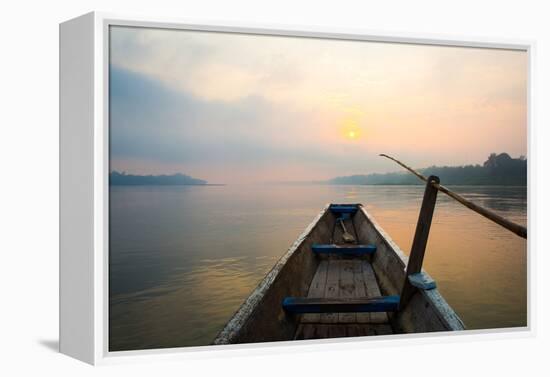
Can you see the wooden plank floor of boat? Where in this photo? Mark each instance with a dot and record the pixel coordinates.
(343, 278)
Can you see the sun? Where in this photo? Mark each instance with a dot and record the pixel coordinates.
(352, 135)
(351, 130)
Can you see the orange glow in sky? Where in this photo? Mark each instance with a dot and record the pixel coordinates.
(236, 107)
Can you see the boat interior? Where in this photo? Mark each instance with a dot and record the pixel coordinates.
(342, 277)
(344, 272)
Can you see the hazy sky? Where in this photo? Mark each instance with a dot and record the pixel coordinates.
(234, 108)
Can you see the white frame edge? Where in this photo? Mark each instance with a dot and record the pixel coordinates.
(84, 194)
(77, 277)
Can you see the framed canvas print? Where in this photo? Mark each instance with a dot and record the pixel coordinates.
(225, 187)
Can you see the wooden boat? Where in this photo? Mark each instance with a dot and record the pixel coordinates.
(324, 287)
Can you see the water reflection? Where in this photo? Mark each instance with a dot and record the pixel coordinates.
(182, 259)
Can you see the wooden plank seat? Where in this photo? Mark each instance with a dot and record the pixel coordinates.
(323, 331)
(344, 280)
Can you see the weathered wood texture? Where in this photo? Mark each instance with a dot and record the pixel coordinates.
(420, 240)
(300, 273)
(324, 331)
(338, 234)
(348, 279)
(317, 289)
(332, 289)
(372, 290)
(427, 310)
(261, 318)
(347, 289)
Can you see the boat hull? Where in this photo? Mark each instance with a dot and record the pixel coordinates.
(262, 317)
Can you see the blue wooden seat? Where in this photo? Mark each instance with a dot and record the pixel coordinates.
(302, 305)
(344, 208)
(356, 250)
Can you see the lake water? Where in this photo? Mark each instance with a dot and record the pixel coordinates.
(183, 258)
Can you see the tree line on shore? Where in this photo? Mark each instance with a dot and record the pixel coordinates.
(122, 179)
(498, 169)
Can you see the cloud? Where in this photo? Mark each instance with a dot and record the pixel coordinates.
(204, 103)
(150, 122)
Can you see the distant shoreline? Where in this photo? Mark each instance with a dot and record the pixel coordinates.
(122, 179)
(320, 184)
(423, 184)
(167, 184)
(497, 170)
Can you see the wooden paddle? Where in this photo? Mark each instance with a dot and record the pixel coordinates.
(518, 229)
(348, 238)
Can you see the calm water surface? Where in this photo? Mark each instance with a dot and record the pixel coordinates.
(183, 258)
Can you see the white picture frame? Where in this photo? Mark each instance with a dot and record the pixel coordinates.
(84, 184)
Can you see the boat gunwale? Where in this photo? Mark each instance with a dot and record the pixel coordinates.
(443, 310)
(230, 332)
(247, 308)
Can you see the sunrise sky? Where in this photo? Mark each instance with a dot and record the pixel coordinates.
(232, 108)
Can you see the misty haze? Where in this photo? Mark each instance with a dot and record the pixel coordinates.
(224, 147)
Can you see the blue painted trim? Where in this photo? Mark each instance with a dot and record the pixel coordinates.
(422, 280)
(343, 208)
(302, 305)
(343, 250)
